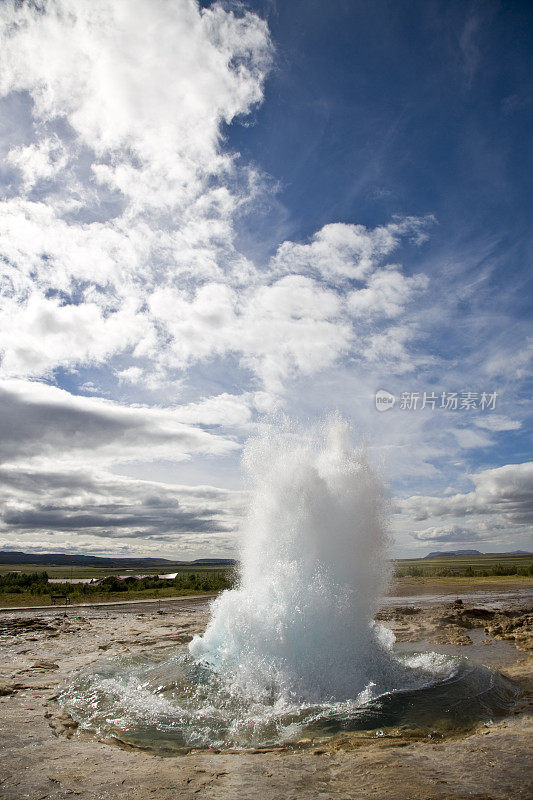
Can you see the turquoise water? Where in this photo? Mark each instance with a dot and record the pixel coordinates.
(170, 704)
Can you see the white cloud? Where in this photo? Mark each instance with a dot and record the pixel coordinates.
(44, 334)
(131, 94)
(38, 422)
(291, 325)
(42, 250)
(468, 438)
(390, 349)
(506, 491)
(39, 161)
(451, 533)
(387, 294)
(114, 71)
(93, 511)
(497, 422)
(130, 250)
(510, 363)
(340, 251)
(224, 409)
(130, 375)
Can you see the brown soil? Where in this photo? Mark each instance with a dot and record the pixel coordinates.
(406, 587)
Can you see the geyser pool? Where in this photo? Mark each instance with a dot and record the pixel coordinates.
(293, 650)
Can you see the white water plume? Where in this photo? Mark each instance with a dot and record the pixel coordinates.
(299, 626)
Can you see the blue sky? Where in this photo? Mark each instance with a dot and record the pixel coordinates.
(212, 213)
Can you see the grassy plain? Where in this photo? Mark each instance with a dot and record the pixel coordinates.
(31, 588)
(69, 572)
(443, 575)
(475, 566)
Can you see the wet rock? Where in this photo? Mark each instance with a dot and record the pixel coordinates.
(451, 634)
(61, 723)
(515, 627)
(16, 625)
(44, 665)
(480, 613)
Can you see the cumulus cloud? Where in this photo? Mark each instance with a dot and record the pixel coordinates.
(40, 161)
(119, 237)
(44, 333)
(341, 251)
(451, 534)
(147, 193)
(390, 349)
(113, 71)
(292, 325)
(386, 294)
(506, 491)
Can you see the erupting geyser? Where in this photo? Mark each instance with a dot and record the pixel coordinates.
(294, 647)
(300, 625)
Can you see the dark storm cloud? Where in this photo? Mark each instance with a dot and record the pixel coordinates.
(109, 506)
(169, 519)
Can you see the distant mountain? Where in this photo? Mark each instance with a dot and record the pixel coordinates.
(441, 553)
(74, 560)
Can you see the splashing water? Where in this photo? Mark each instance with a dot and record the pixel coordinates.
(293, 647)
(300, 624)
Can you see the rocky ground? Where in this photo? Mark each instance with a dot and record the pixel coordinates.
(452, 623)
(45, 755)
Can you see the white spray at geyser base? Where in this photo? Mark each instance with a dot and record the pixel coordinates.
(299, 625)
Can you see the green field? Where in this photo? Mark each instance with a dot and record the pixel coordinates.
(490, 564)
(28, 585)
(482, 566)
(69, 572)
(31, 588)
